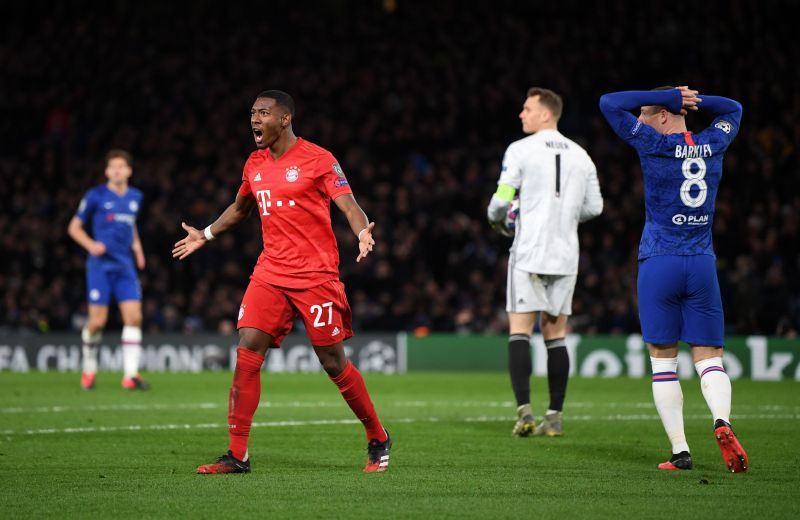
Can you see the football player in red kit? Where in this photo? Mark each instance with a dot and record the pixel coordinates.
(291, 182)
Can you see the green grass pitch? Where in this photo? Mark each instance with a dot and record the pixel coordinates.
(67, 453)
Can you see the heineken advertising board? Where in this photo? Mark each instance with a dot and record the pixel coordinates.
(756, 357)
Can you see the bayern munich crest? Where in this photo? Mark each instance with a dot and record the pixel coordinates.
(292, 173)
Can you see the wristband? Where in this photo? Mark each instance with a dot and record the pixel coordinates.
(208, 234)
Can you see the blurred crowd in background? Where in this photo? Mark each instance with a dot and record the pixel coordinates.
(418, 102)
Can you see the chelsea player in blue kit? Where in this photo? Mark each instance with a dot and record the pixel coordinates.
(110, 210)
(678, 291)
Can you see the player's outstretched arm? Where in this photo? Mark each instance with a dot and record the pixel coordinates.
(194, 240)
(231, 217)
(359, 223)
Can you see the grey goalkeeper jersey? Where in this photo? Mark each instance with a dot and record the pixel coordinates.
(558, 188)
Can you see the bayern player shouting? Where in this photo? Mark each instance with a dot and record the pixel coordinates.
(291, 182)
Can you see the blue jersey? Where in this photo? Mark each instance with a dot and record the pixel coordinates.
(681, 171)
(112, 218)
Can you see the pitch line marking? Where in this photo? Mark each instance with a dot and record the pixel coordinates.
(108, 407)
(145, 407)
(337, 403)
(406, 420)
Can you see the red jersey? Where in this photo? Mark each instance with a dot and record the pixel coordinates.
(294, 196)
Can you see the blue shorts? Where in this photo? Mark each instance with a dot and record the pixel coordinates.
(679, 300)
(102, 285)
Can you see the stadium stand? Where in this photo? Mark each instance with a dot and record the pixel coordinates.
(418, 104)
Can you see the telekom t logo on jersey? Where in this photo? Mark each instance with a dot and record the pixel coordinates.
(265, 201)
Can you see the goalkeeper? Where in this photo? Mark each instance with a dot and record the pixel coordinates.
(557, 185)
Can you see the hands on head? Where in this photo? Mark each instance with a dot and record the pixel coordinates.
(690, 99)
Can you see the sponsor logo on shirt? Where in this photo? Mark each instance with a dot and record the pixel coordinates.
(265, 201)
(241, 312)
(724, 126)
(133, 206)
(692, 220)
(292, 173)
(337, 170)
(108, 205)
(340, 182)
(94, 295)
(121, 217)
(257, 177)
(697, 220)
(335, 331)
(636, 127)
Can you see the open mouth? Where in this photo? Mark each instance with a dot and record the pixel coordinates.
(258, 135)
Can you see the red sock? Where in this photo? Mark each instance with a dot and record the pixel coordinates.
(243, 400)
(354, 391)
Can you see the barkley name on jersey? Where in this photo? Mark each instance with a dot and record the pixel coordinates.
(682, 171)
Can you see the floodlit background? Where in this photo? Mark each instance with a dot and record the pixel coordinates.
(418, 101)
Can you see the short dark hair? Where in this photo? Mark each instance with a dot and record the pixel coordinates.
(119, 153)
(281, 99)
(549, 99)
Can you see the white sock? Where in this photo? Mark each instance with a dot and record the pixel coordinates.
(716, 386)
(668, 397)
(90, 343)
(131, 350)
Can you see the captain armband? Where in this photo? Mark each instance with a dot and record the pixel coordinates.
(505, 192)
(498, 205)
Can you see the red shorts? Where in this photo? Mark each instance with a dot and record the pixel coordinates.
(323, 309)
